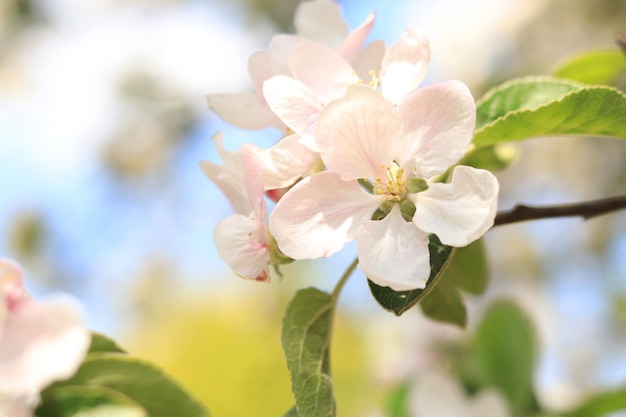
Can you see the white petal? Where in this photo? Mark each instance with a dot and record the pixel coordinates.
(461, 211)
(273, 61)
(253, 180)
(296, 105)
(321, 69)
(244, 110)
(319, 215)
(488, 403)
(321, 21)
(441, 119)
(228, 177)
(404, 66)
(241, 242)
(359, 133)
(394, 253)
(353, 43)
(43, 342)
(368, 60)
(437, 395)
(285, 162)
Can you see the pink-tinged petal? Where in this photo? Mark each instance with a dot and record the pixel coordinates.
(285, 162)
(253, 180)
(321, 69)
(12, 290)
(273, 61)
(353, 43)
(461, 211)
(404, 66)
(43, 342)
(242, 243)
(296, 105)
(394, 253)
(359, 133)
(228, 177)
(367, 63)
(15, 407)
(319, 215)
(244, 110)
(321, 21)
(439, 120)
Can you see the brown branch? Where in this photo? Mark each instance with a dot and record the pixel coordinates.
(586, 210)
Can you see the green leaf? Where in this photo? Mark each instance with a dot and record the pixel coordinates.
(445, 303)
(400, 301)
(293, 412)
(505, 352)
(527, 108)
(396, 404)
(468, 269)
(527, 93)
(306, 335)
(88, 401)
(601, 404)
(139, 381)
(492, 158)
(101, 343)
(600, 66)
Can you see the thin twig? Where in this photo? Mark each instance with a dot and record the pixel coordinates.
(586, 210)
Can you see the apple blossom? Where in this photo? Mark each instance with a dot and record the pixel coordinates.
(40, 342)
(320, 75)
(319, 21)
(243, 240)
(399, 152)
(437, 394)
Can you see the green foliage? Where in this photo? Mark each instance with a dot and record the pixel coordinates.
(505, 353)
(117, 385)
(468, 270)
(293, 412)
(306, 335)
(601, 404)
(534, 107)
(492, 158)
(101, 343)
(397, 401)
(400, 301)
(85, 401)
(445, 303)
(600, 66)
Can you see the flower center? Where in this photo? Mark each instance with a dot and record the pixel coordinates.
(393, 187)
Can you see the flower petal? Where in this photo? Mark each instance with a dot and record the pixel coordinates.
(461, 211)
(437, 394)
(404, 66)
(228, 177)
(359, 133)
(319, 215)
(296, 105)
(353, 43)
(321, 69)
(321, 21)
(440, 119)
(368, 60)
(394, 253)
(285, 162)
(241, 242)
(244, 110)
(273, 61)
(43, 342)
(253, 180)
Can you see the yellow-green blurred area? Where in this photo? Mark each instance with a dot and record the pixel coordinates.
(103, 121)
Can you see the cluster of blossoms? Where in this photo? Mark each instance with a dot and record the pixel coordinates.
(40, 342)
(367, 155)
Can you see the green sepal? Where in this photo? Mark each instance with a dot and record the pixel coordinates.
(400, 301)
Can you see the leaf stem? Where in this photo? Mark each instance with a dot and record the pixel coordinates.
(344, 278)
(586, 210)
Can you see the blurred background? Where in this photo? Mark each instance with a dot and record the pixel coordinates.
(103, 120)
